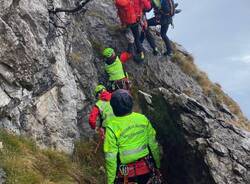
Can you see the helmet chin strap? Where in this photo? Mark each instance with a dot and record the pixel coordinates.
(110, 60)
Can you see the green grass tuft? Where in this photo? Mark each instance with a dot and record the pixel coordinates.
(187, 65)
(25, 163)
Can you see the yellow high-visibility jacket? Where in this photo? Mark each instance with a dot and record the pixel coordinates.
(130, 137)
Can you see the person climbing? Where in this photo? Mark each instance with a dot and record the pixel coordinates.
(118, 78)
(147, 33)
(102, 108)
(128, 12)
(164, 10)
(146, 7)
(130, 146)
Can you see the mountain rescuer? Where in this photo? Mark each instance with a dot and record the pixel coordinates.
(128, 12)
(164, 10)
(131, 150)
(102, 107)
(101, 110)
(146, 7)
(141, 7)
(113, 66)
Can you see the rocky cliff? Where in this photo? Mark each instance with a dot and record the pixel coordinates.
(46, 84)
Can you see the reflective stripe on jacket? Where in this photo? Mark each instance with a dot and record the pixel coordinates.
(130, 137)
(115, 70)
(105, 109)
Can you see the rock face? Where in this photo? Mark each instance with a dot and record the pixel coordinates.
(2, 176)
(46, 85)
(198, 147)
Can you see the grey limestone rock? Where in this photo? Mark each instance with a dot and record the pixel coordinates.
(47, 82)
(2, 176)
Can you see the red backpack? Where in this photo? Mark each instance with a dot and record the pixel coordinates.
(126, 11)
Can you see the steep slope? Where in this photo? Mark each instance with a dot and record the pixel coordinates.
(47, 83)
(25, 163)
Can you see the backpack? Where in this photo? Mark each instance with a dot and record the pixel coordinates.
(168, 7)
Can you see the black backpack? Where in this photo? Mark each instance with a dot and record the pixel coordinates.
(170, 7)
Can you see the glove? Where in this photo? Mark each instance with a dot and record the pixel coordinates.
(144, 25)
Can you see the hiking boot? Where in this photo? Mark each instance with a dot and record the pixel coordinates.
(155, 51)
(168, 54)
(138, 58)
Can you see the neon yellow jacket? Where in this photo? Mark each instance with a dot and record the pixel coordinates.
(131, 136)
(115, 70)
(105, 109)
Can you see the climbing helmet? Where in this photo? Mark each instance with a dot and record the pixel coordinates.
(99, 88)
(108, 52)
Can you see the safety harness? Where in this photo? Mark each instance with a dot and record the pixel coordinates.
(135, 169)
(140, 167)
(120, 84)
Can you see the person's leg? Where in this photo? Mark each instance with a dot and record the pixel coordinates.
(151, 41)
(135, 30)
(150, 38)
(152, 22)
(164, 28)
(142, 37)
(146, 33)
(130, 38)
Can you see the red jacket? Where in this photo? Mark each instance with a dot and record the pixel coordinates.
(140, 6)
(146, 5)
(95, 112)
(126, 11)
(131, 11)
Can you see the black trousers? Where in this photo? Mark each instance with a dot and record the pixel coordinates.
(147, 33)
(136, 33)
(164, 22)
(143, 179)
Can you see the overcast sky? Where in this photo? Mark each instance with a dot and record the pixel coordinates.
(217, 33)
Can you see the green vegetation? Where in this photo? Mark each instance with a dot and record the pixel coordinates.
(25, 163)
(186, 63)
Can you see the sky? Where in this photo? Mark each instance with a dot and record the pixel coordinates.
(217, 33)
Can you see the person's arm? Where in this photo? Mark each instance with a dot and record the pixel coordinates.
(94, 114)
(110, 151)
(125, 56)
(146, 5)
(153, 145)
(120, 17)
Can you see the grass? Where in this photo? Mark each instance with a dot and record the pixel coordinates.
(25, 163)
(213, 90)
